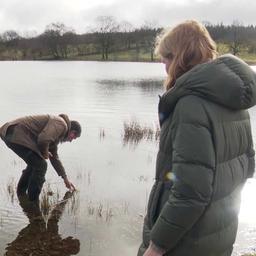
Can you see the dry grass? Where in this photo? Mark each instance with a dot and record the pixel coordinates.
(11, 188)
(48, 199)
(74, 205)
(51, 204)
(91, 209)
(1, 221)
(134, 132)
(100, 211)
(126, 207)
(109, 214)
(102, 133)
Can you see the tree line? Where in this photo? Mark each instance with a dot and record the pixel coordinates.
(108, 37)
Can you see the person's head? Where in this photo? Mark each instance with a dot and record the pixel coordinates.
(183, 47)
(74, 132)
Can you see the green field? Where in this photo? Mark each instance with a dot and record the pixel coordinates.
(139, 55)
(144, 56)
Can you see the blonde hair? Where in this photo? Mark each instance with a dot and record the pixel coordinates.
(186, 45)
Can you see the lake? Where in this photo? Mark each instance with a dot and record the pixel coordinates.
(113, 177)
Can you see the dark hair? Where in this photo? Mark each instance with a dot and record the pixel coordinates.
(75, 126)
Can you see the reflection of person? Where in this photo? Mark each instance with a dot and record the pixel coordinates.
(34, 139)
(206, 148)
(36, 238)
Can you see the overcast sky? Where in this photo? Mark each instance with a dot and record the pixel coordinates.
(29, 15)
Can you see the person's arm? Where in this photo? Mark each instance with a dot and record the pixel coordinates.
(58, 166)
(193, 163)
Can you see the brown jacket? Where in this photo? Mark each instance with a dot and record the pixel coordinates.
(41, 134)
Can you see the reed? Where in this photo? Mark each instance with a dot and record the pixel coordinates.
(102, 133)
(1, 221)
(109, 214)
(45, 203)
(48, 200)
(135, 132)
(126, 207)
(99, 210)
(89, 178)
(11, 189)
(90, 209)
(74, 204)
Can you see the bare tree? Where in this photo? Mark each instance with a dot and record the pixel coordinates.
(148, 33)
(57, 37)
(126, 29)
(67, 39)
(10, 38)
(105, 28)
(237, 41)
(10, 35)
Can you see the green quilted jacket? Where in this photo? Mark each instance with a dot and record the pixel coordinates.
(205, 157)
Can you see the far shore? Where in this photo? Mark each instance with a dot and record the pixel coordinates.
(249, 62)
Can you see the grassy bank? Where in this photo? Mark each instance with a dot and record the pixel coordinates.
(120, 56)
(145, 56)
(126, 56)
(132, 55)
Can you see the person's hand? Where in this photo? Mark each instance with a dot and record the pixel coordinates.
(153, 251)
(47, 155)
(68, 184)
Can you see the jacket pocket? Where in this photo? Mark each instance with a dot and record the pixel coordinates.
(158, 197)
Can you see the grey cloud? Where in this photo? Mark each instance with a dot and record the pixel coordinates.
(31, 14)
(166, 13)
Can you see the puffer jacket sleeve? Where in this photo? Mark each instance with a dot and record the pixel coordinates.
(251, 156)
(193, 163)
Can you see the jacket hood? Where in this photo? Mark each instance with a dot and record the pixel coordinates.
(227, 81)
(67, 121)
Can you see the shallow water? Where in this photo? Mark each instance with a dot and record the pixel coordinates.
(105, 216)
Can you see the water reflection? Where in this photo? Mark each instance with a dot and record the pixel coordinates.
(144, 84)
(39, 239)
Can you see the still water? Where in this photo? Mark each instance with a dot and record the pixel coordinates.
(113, 179)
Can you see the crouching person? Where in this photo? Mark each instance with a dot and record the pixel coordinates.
(35, 139)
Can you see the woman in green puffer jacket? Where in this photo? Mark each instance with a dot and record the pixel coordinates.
(206, 149)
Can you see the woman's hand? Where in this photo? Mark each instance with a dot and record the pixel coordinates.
(153, 250)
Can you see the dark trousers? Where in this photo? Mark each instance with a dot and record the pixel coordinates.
(33, 177)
